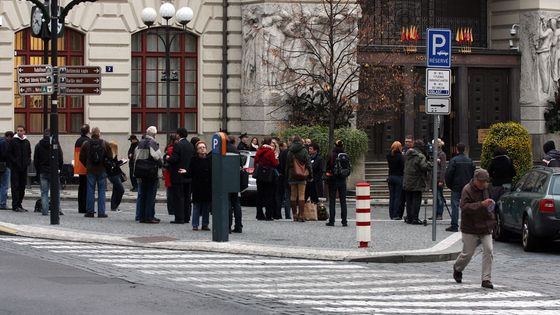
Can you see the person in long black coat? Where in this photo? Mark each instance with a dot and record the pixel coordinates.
(314, 189)
(19, 158)
(183, 152)
(201, 172)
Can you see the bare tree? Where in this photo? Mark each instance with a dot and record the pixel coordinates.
(321, 57)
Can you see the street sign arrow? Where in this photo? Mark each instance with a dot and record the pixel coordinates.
(80, 70)
(73, 80)
(437, 106)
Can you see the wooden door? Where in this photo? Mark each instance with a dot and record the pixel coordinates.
(488, 103)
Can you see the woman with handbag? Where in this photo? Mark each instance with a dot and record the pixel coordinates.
(116, 176)
(298, 170)
(265, 164)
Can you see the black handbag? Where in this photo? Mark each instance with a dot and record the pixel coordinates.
(264, 174)
(146, 169)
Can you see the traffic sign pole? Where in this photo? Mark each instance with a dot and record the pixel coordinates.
(438, 84)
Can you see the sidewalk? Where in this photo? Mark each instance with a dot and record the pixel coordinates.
(392, 241)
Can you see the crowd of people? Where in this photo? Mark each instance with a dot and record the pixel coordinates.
(291, 172)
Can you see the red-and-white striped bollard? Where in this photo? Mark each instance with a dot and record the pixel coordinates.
(363, 214)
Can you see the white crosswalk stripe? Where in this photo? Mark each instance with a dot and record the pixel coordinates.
(321, 286)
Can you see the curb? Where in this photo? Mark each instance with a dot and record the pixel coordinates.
(445, 250)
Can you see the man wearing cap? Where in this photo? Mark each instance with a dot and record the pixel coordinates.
(477, 222)
(244, 143)
(133, 144)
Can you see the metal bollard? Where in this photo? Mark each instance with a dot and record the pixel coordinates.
(363, 214)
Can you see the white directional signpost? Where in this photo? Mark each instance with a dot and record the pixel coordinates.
(35, 80)
(438, 93)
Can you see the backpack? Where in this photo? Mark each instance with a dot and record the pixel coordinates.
(342, 166)
(96, 152)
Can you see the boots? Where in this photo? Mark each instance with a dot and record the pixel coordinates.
(301, 205)
(293, 204)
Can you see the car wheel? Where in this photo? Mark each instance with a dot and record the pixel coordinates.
(528, 239)
(499, 233)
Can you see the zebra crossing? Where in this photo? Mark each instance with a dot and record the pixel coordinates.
(312, 286)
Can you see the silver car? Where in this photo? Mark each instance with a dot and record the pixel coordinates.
(249, 195)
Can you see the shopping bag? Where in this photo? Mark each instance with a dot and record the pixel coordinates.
(310, 211)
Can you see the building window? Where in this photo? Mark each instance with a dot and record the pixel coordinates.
(149, 93)
(29, 109)
(384, 20)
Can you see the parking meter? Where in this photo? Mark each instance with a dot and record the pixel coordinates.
(225, 180)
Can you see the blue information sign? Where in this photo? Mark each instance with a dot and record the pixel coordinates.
(438, 51)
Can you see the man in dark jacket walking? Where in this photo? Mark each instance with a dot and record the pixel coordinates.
(42, 162)
(234, 199)
(459, 172)
(80, 169)
(477, 223)
(133, 144)
(19, 156)
(183, 152)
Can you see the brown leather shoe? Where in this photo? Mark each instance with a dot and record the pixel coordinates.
(487, 284)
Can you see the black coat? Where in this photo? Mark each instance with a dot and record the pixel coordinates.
(317, 166)
(201, 172)
(459, 172)
(396, 164)
(243, 146)
(501, 170)
(131, 154)
(41, 157)
(19, 154)
(183, 152)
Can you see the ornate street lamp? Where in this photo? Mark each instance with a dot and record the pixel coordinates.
(183, 16)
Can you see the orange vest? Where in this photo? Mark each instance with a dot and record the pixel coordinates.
(79, 168)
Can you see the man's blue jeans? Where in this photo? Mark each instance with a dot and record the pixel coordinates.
(455, 201)
(101, 182)
(201, 209)
(45, 181)
(145, 204)
(4, 185)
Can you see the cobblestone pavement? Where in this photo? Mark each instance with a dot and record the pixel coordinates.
(526, 283)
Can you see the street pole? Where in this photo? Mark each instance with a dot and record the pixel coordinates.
(45, 97)
(167, 45)
(435, 146)
(55, 189)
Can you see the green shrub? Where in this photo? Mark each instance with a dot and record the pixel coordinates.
(355, 141)
(515, 139)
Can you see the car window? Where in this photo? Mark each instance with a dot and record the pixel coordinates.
(521, 182)
(252, 162)
(530, 182)
(555, 185)
(540, 182)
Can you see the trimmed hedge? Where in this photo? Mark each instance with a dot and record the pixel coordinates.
(513, 137)
(355, 141)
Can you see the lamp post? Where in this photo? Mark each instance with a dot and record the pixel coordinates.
(183, 16)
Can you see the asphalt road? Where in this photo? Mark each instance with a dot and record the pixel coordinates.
(34, 284)
(56, 277)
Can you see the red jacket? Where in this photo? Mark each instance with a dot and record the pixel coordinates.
(265, 157)
(166, 174)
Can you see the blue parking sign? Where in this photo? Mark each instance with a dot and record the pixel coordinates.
(438, 50)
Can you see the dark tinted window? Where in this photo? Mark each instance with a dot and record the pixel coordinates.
(521, 182)
(540, 183)
(530, 182)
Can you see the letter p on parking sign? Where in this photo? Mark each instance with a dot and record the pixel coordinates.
(438, 52)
